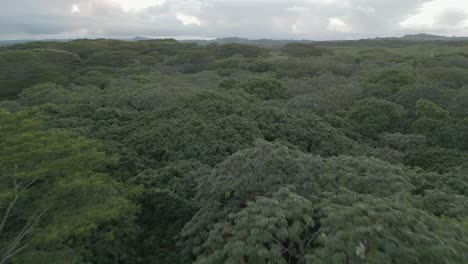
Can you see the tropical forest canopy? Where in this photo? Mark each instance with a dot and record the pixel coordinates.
(159, 151)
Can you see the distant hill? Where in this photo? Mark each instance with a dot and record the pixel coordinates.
(21, 41)
(429, 37)
(139, 38)
(12, 42)
(423, 36)
(262, 42)
(270, 42)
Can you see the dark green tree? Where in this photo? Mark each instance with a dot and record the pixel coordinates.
(372, 116)
(85, 214)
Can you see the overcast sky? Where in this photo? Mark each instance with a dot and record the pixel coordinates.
(276, 19)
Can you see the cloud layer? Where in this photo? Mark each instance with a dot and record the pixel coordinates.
(278, 19)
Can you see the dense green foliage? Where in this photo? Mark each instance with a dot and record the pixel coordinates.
(160, 151)
(71, 190)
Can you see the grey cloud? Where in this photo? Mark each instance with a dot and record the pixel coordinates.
(451, 17)
(305, 19)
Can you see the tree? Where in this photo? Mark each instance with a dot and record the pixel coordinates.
(301, 129)
(231, 49)
(394, 79)
(403, 142)
(20, 69)
(67, 175)
(435, 123)
(360, 229)
(112, 58)
(163, 215)
(262, 170)
(324, 94)
(260, 66)
(8, 249)
(450, 77)
(303, 50)
(372, 116)
(435, 158)
(459, 103)
(426, 108)
(353, 204)
(203, 126)
(264, 88)
(280, 229)
(167, 204)
(387, 83)
(409, 95)
(44, 93)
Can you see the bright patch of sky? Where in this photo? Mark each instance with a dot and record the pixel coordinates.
(188, 20)
(75, 9)
(336, 24)
(431, 12)
(136, 5)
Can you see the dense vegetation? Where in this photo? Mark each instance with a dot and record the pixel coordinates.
(159, 151)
